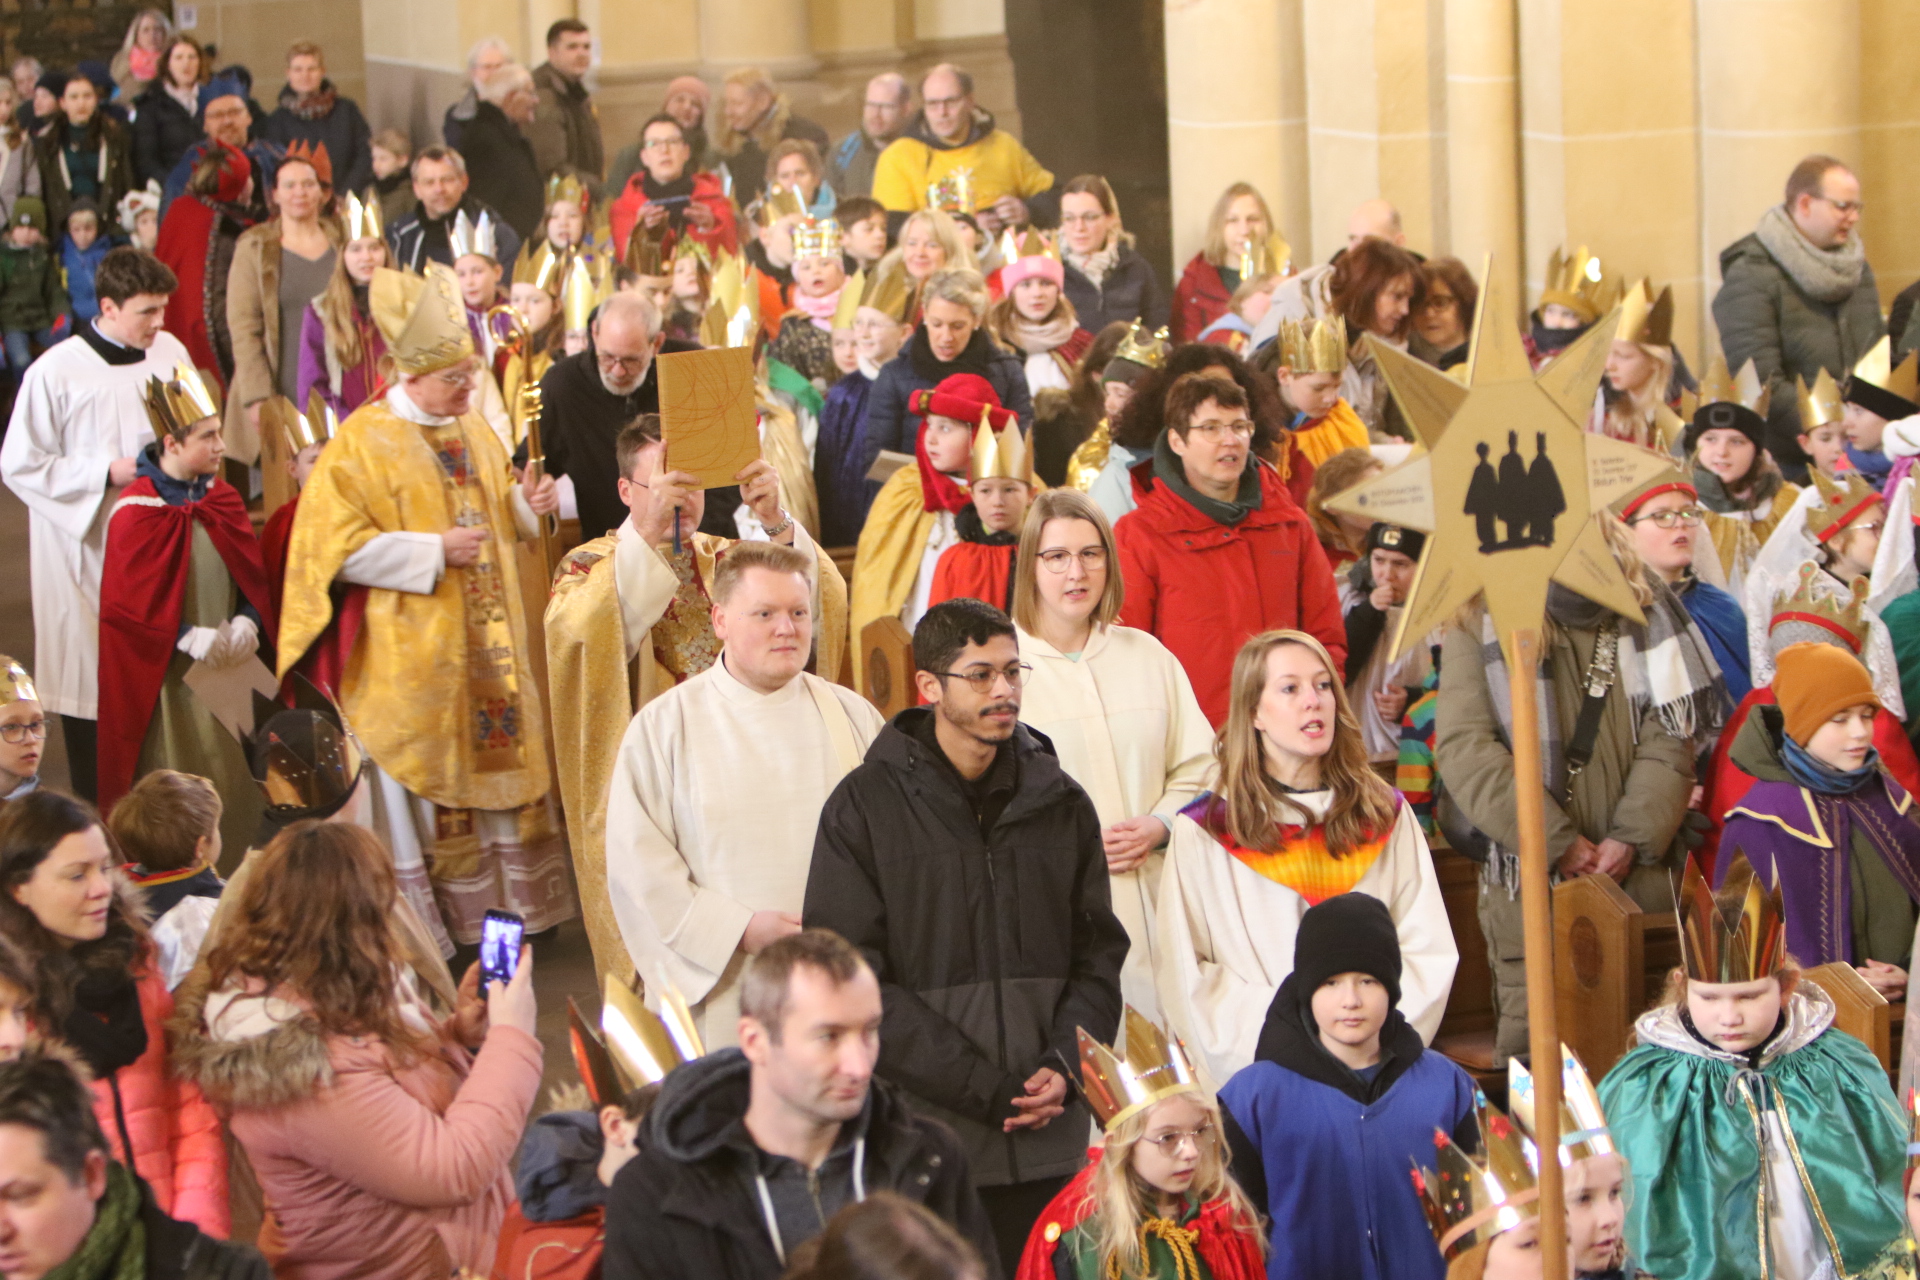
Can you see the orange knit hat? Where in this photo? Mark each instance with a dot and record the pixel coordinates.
(1815, 682)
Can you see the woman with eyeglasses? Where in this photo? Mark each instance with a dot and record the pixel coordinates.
(23, 731)
(1115, 703)
(1666, 520)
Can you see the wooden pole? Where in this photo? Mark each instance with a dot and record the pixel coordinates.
(1536, 902)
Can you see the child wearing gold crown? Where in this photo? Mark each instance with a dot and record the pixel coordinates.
(1737, 479)
(1313, 364)
(1481, 1197)
(23, 731)
(1155, 1201)
(805, 340)
(999, 490)
(1762, 1141)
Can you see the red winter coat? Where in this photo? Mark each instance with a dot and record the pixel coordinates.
(178, 1146)
(625, 211)
(1203, 589)
(1228, 1254)
(1199, 299)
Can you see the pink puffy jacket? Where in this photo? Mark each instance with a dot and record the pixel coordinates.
(177, 1143)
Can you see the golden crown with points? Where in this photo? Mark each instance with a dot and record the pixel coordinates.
(579, 295)
(733, 306)
(952, 192)
(1576, 282)
(1148, 349)
(1645, 319)
(539, 266)
(1150, 1066)
(566, 188)
(644, 1045)
(1000, 455)
(889, 290)
(473, 237)
(1470, 1199)
(1583, 1122)
(688, 247)
(15, 684)
(1820, 404)
(816, 238)
(647, 251)
(421, 318)
(360, 219)
(1813, 602)
(848, 304)
(1842, 499)
(176, 404)
(1718, 386)
(1030, 244)
(780, 202)
(1877, 368)
(1314, 346)
(1738, 934)
(317, 425)
(1264, 257)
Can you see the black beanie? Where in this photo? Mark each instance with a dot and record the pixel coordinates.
(1721, 415)
(1348, 933)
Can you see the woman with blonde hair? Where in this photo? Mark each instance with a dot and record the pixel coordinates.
(141, 59)
(1296, 815)
(340, 346)
(1631, 402)
(929, 241)
(1115, 703)
(1240, 217)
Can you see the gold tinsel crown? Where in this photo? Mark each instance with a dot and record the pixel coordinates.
(1576, 282)
(1150, 1066)
(816, 238)
(1000, 455)
(647, 1045)
(1820, 404)
(1812, 602)
(421, 318)
(176, 404)
(1738, 934)
(1645, 319)
(317, 425)
(360, 219)
(1470, 1199)
(952, 192)
(1583, 1122)
(1146, 349)
(1841, 501)
(15, 684)
(1309, 346)
(539, 266)
(1718, 386)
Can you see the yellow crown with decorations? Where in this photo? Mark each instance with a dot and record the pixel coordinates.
(848, 304)
(647, 251)
(1843, 499)
(1258, 257)
(1470, 1199)
(780, 202)
(1719, 386)
(566, 188)
(1003, 454)
(1813, 602)
(175, 404)
(1575, 281)
(360, 219)
(1583, 1122)
(1738, 934)
(645, 1045)
(1144, 347)
(474, 237)
(1644, 318)
(1314, 346)
(688, 247)
(952, 191)
(1028, 244)
(15, 684)
(816, 238)
(888, 290)
(1146, 1066)
(421, 318)
(1820, 404)
(317, 425)
(539, 265)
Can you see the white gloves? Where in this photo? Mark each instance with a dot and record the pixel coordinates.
(197, 642)
(236, 640)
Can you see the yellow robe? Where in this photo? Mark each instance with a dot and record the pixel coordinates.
(1340, 429)
(1738, 541)
(586, 657)
(887, 560)
(406, 690)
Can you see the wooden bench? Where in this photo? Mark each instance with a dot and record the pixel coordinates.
(888, 646)
(1466, 1034)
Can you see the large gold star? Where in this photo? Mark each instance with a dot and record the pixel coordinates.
(1508, 485)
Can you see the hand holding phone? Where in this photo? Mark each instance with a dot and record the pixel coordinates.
(501, 934)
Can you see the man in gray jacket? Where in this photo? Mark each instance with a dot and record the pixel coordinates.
(1797, 295)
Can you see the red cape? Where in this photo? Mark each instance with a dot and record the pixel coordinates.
(1228, 1253)
(974, 569)
(141, 594)
(186, 245)
(274, 537)
(325, 661)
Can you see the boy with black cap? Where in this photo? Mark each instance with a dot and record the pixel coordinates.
(1340, 1098)
(1380, 685)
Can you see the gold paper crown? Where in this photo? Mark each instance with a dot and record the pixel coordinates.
(1736, 935)
(733, 306)
(317, 425)
(566, 188)
(1308, 346)
(647, 251)
(1717, 386)
(538, 265)
(1644, 318)
(1841, 502)
(1583, 1122)
(643, 1044)
(421, 318)
(1820, 404)
(1152, 1067)
(1030, 244)
(889, 290)
(1470, 1199)
(1576, 282)
(953, 191)
(174, 406)
(579, 295)
(1812, 602)
(1000, 455)
(475, 238)
(780, 202)
(1148, 350)
(688, 247)
(849, 301)
(1877, 369)
(816, 238)
(1264, 257)
(15, 684)
(360, 219)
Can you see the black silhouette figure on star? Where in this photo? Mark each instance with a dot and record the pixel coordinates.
(1515, 510)
(1544, 495)
(1483, 501)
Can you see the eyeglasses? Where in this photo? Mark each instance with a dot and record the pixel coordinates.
(1057, 560)
(626, 364)
(981, 679)
(1080, 219)
(1688, 516)
(458, 377)
(1843, 206)
(662, 144)
(31, 731)
(943, 104)
(1170, 1143)
(1242, 429)
(1439, 301)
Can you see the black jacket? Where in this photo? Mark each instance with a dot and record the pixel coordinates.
(162, 132)
(181, 1251)
(685, 1207)
(991, 949)
(1131, 291)
(416, 239)
(890, 423)
(501, 171)
(343, 130)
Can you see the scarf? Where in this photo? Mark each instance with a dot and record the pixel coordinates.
(975, 357)
(1826, 275)
(1037, 337)
(143, 63)
(1168, 470)
(1816, 775)
(317, 105)
(115, 1247)
(819, 310)
(938, 490)
(1765, 479)
(105, 1026)
(1095, 266)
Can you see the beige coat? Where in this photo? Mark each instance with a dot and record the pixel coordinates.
(253, 320)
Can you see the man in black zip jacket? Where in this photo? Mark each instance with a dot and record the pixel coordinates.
(967, 866)
(748, 1152)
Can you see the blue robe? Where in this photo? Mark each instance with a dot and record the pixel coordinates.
(1721, 621)
(839, 456)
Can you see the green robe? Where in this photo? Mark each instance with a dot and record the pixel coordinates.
(1082, 1245)
(1696, 1157)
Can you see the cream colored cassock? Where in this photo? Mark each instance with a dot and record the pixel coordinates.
(74, 416)
(1126, 726)
(711, 815)
(1226, 938)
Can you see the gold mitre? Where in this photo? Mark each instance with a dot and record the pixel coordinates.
(175, 405)
(1153, 1066)
(471, 237)
(1738, 934)
(1470, 1199)
(1820, 404)
(1574, 281)
(952, 192)
(421, 318)
(1644, 318)
(1003, 454)
(780, 202)
(1718, 386)
(1148, 350)
(1813, 602)
(1309, 346)
(1264, 257)
(849, 301)
(568, 189)
(15, 684)
(579, 295)
(647, 1045)
(360, 219)
(1841, 502)
(647, 252)
(888, 290)
(317, 425)
(537, 265)
(1583, 1124)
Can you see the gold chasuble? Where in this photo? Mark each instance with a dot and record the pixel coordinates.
(887, 561)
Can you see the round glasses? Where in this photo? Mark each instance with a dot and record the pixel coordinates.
(1170, 1143)
(1688, 516)
(31, 731)
(1057, 560)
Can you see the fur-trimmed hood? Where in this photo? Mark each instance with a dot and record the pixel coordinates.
(767, 131)
(247, 1050)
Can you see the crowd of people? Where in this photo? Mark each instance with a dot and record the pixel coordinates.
(376, 607)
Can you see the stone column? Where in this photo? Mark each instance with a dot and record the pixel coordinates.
(1483, 138)
(1889, 134)
(772, 34)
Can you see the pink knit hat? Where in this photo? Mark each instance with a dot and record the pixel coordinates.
(1040, 265)
(689, 84)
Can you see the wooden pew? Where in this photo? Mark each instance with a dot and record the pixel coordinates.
(1466, 1032)
(889, 649)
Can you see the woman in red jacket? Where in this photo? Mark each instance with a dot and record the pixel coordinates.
(1240, 216)
(69, 908)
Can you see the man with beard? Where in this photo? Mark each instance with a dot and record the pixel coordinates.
(750, 1151)
(968, 868)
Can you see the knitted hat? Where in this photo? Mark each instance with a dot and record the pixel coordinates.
(221, 87)
(29, 211)
(1815, 682)
(689, 84)
(1721, 415)
(1347, 933)
(54, 82)
(85, 204)
(1391, 537)
(961, 396)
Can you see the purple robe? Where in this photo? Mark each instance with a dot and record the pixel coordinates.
(357, 383)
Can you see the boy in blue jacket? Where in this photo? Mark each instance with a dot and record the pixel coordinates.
(1341, 1101)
